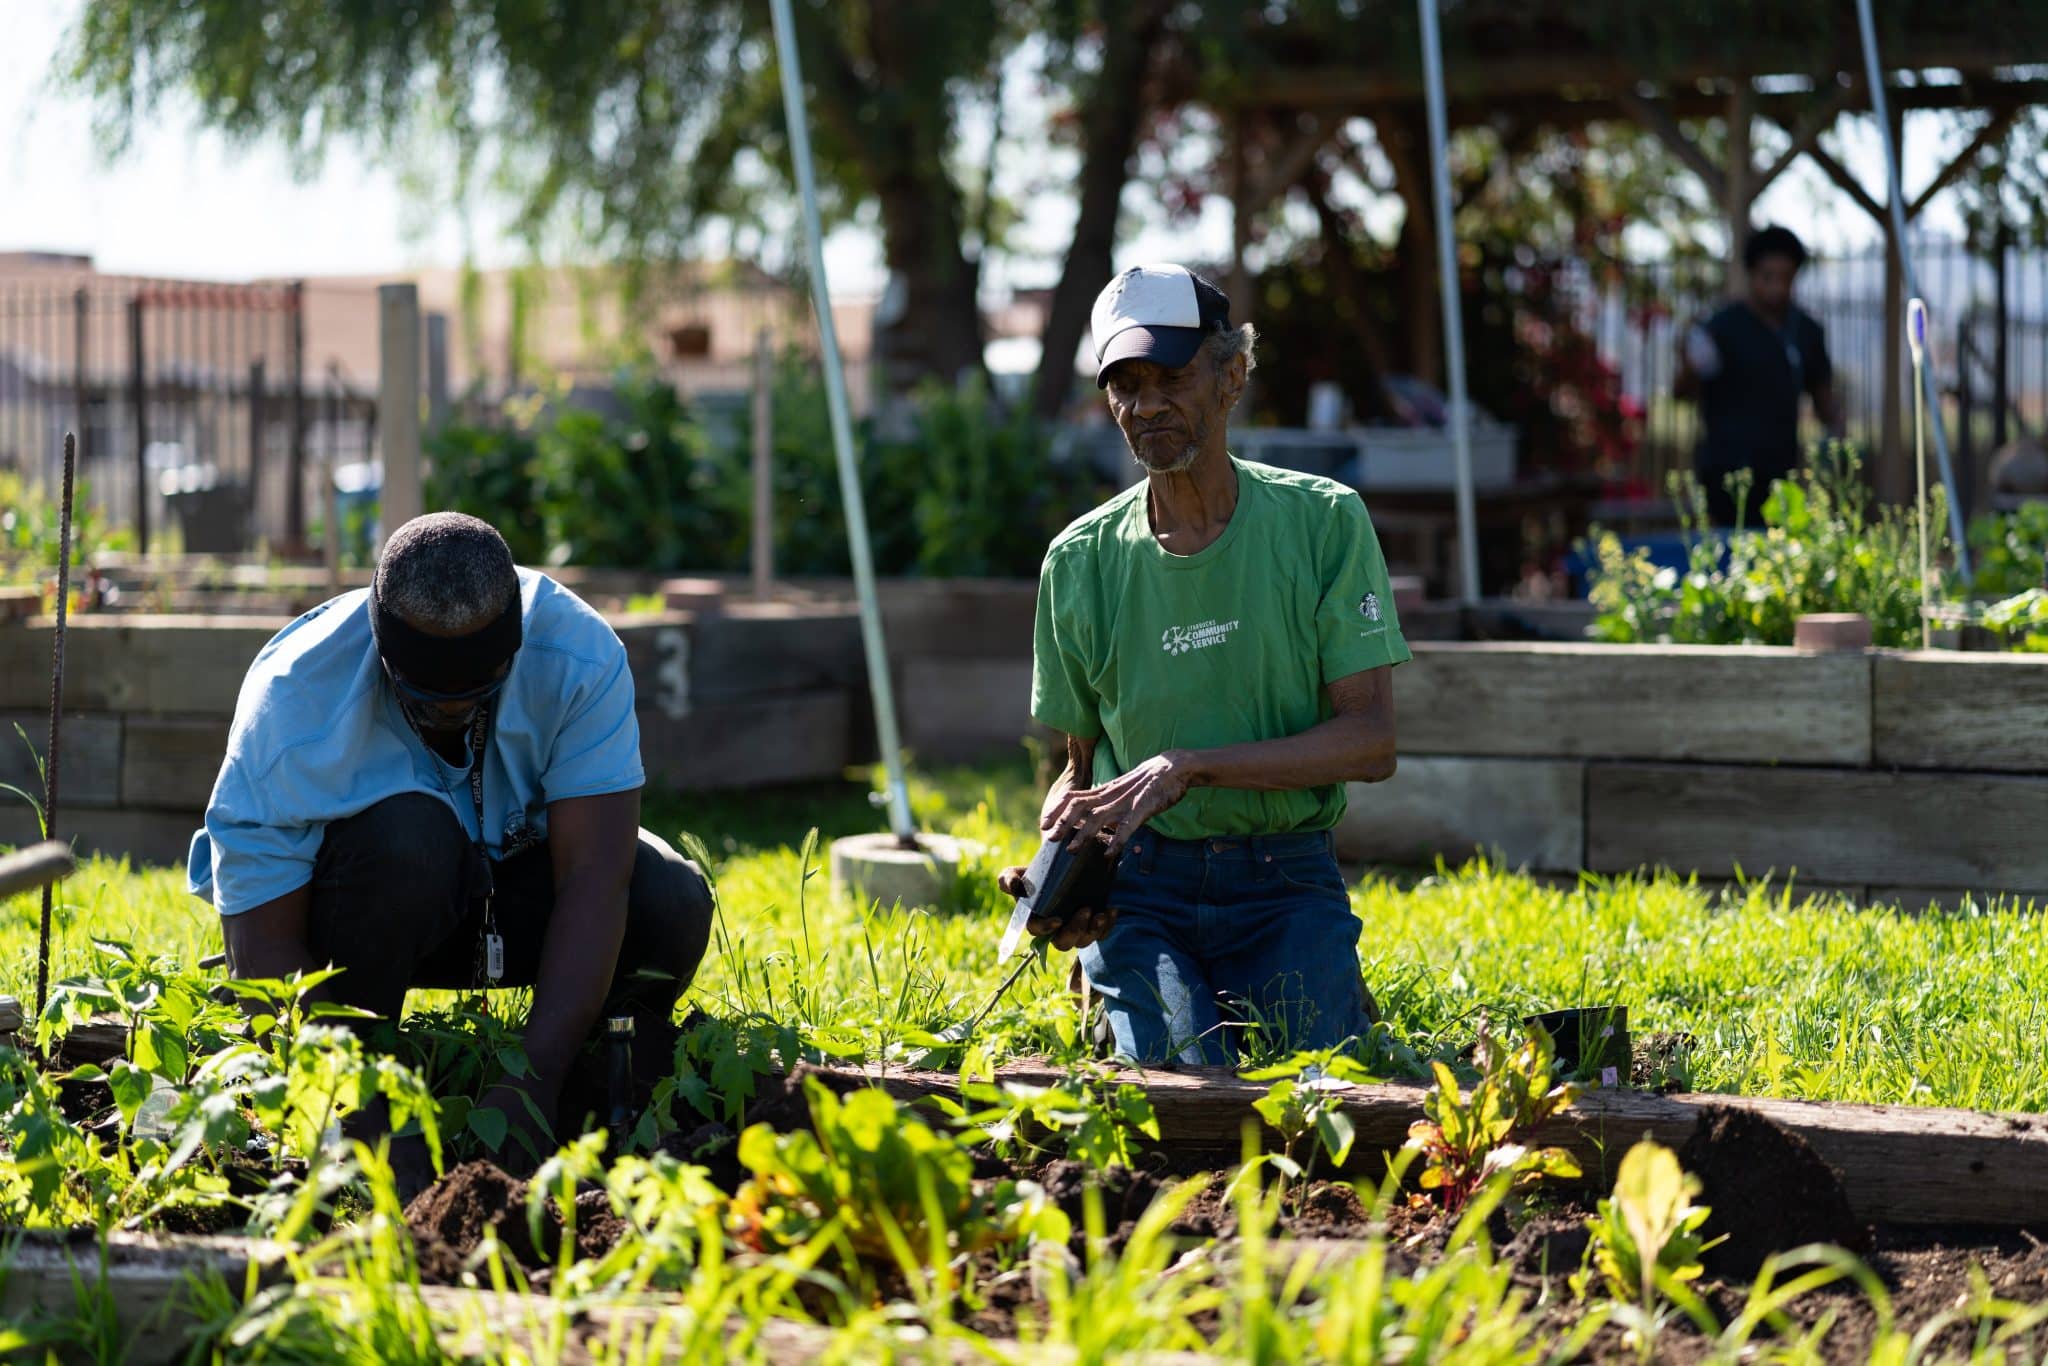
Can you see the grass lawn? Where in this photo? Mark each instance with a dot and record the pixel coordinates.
(1772, 992)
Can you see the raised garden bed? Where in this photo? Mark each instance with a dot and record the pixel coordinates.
(1772, 1192)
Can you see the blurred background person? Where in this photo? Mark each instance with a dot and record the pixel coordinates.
(1747, 367)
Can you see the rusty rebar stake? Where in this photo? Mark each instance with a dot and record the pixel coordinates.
(54, 753)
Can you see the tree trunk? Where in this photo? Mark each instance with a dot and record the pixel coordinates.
(893, 118)
(1110, 122)
(932, 329)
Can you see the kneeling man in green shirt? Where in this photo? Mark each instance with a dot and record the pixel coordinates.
(1215, 648)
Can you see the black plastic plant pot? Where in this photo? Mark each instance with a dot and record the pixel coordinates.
(1588, 1040)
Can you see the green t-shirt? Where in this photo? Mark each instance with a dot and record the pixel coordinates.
(1153, 651)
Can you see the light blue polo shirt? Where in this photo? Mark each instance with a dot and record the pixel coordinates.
(318, 736)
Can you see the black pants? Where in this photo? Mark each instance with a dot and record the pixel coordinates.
(1721, 508)
(392, 908)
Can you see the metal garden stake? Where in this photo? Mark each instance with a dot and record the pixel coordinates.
(53, 755)
(1916, 340)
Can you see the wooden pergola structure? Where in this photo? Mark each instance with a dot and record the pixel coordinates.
(1701, 80)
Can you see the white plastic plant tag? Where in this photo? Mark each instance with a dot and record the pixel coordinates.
(1610, 1076)
(494, 956)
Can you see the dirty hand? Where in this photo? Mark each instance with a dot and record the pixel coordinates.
(1116, 810)
(1080, 930)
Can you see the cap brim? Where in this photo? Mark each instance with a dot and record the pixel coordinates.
(1171, 347)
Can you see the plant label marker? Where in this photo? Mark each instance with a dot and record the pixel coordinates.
(53, 754)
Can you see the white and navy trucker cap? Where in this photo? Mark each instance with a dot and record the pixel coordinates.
(1156, 313)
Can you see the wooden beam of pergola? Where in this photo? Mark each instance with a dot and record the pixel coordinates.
(1575, 103)
(1847, 183)
(1498, 79)
(1991, 132)
(1657, 117)
(1806, 133)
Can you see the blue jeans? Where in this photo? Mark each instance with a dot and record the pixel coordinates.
(1218, 934)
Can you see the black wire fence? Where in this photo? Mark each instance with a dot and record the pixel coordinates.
(193, 408)
(1991, 313)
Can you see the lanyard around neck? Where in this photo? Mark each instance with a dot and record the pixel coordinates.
(479, 734)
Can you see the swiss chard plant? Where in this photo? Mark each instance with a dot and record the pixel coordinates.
(1467, 1137)
(1646, 1243)
(888, 1188)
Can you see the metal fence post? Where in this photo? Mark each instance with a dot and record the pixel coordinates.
(256, 443)
(437, 371)
(139, 395)
(81, 382)
(295, 381)
(764, 466)
(398, 404)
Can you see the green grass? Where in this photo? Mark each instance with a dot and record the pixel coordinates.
(1781, 994)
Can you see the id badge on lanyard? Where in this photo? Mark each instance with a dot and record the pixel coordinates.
(490, 967)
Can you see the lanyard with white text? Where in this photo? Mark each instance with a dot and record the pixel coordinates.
(490, 965)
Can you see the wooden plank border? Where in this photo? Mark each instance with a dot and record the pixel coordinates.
(1690, 703)
(1860, 827)
(1898, 1164)
(1947, 710)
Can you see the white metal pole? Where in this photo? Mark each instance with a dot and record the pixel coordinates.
(842, 428)
(1454, 318)
(1874, 72)
(1916, 339)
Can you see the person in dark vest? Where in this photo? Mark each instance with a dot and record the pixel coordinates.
(1747, 366)
(435, 782)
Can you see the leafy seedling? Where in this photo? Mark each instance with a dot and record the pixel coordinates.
(1466, 1138)
(1095, 1118)
(1646, 1243)
(1304, 1099)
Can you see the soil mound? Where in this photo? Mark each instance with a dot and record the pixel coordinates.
(450, 1218)
(1769, 1192)
(1124, 1195)
(778, 1102)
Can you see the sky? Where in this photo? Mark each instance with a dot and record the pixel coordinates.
(182, 202)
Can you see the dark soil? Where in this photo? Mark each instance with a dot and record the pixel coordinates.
(1662, 1061)
(779, 1103)
(1769, 1191)
(450, 1218)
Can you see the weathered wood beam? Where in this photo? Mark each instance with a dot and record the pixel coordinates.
(1658, 119)
(485, 1319)
(1990, 133)
(1542, 76)
(144, 1281)
(1574, 106)
(1739, 187)
(1848, 184)
(1805, 134)
(1898, 1164)
(1277, 174)
(36, 866)
(1944, 709)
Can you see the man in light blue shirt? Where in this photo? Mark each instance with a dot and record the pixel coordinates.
(436, 783)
